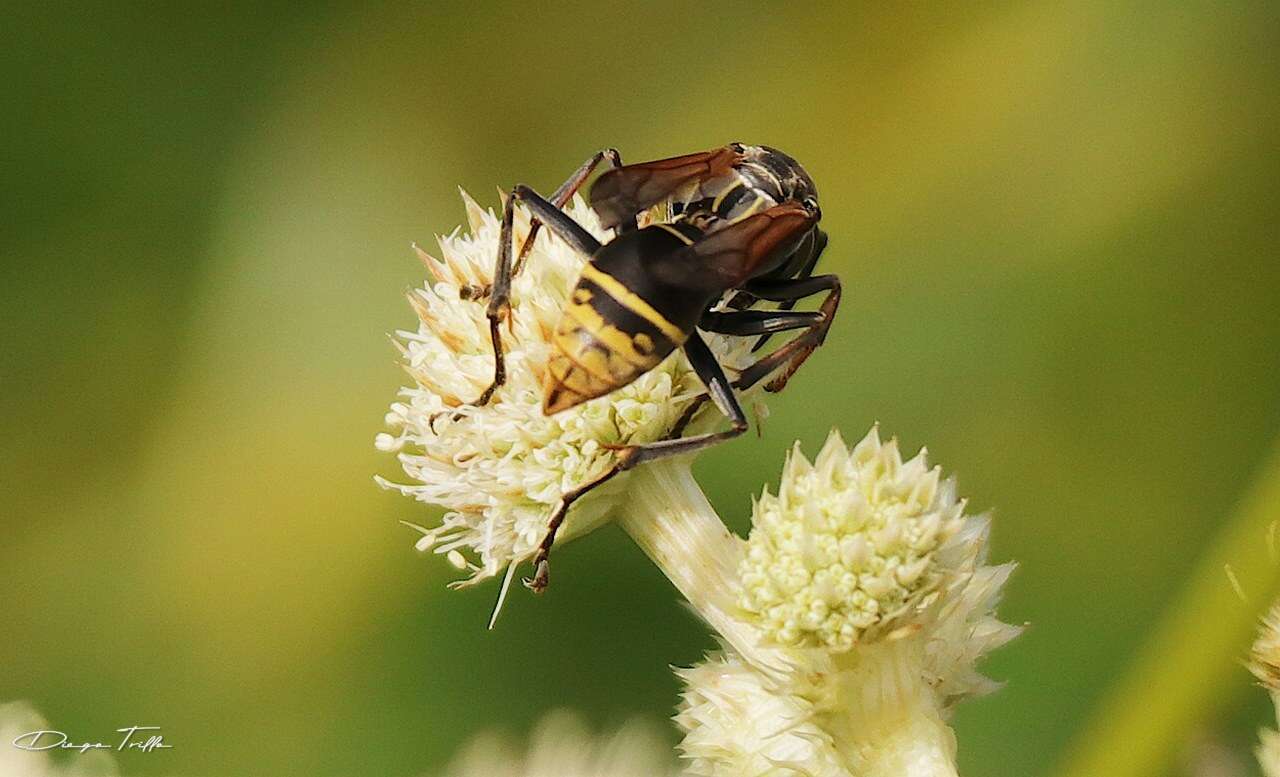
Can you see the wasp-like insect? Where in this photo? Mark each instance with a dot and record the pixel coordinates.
(741, 226)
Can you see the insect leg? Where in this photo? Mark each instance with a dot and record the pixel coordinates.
(721, 392)
(561, 196)
(500, 301)
(755, 322)
(815, 248)
(541, 567)
(743, 322)
(686, 418)
(790, 289)
(780, 233)
(790, 356)
(628, 456)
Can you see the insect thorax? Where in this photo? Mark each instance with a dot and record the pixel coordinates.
(718, 202)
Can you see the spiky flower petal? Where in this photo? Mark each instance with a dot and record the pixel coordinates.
(499, 470)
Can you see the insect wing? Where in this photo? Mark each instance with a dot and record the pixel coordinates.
(754, 245)
(624, 192)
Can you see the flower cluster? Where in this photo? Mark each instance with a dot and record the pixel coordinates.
(847, 545)
(499, 470)
(866, 570)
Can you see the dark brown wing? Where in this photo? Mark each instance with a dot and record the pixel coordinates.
(755, 245)
(624, 192)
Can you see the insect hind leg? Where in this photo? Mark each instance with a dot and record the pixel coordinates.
(630, 456)
(561, 196)
(743, 323)
(499, 306)
(541, 567)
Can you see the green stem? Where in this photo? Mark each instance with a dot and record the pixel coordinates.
(1181, 676)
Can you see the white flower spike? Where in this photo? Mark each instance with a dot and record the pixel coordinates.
(869, 578)
(499, 470)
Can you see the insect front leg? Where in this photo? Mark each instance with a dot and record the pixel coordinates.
(721, 392)
(499, 306)
(816, 244)
(756, 322)
(629, 456)
(765, 239)
(743, 323)
(789, 357)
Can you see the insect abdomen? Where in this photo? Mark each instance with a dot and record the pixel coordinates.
(607, 337)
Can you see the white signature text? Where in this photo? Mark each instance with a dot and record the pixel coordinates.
(141, 738)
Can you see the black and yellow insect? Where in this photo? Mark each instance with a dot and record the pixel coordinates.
(741, 227)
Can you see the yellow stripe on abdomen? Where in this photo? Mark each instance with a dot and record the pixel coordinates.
(593, 356)
(633, 302)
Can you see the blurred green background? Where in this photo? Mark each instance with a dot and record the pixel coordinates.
(1057, 228)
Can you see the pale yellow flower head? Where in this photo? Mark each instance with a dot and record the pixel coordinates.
(867, 575)
(849, 546)
(499, 470)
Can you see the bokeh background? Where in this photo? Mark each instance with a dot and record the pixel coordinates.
(1057, 228)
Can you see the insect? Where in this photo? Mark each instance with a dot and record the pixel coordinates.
(741, 227)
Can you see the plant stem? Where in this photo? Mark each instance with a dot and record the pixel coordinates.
(671, 520)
